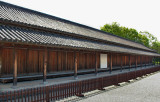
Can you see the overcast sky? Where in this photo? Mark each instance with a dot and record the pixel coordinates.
(143, 15)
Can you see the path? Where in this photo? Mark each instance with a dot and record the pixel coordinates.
(145, 90)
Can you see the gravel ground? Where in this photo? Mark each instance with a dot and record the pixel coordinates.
(144, 90)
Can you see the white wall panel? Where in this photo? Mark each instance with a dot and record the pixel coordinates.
(103, 60)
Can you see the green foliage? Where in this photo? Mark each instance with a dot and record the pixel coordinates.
(144, 38)
(156, 46)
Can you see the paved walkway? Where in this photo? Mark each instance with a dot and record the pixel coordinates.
(145, 90)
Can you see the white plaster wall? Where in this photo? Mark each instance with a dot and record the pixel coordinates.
(103, 60)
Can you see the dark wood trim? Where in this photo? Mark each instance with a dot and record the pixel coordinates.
(45, 65)
(75, 64)
(141, 62)
(27, 59)
(66, 61)
(111, 63)
(121, 62)
(15, 67)
(136, 61)
(145, 61)
(129, 62)
(96, 67)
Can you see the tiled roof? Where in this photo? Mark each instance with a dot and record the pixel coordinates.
(16, 14)
(21, 35)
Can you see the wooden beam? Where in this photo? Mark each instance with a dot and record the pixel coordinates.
(111, 63)
(75, 65)
(96, 63)
(45, 65)
(15, 68)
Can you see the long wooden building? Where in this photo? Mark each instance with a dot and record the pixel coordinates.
(36, 44)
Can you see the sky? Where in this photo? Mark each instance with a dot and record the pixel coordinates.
(143, 15)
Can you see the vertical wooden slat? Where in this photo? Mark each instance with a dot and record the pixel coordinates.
(145, 61)
(65, 90)
(66, 62)
(18, 92)
(35, 89)
(15, 68)
(47, 93)
(121, 62)
(3, 96)
(136, 61)
(43, 95)
(75, 65)
(141, 62)
(45, 65)
(7, 96)
(21, 95)
(129, 62)
(31, 94)
(58, 91)
(28, 96)
(111, 63)
(15, 96)
(51, 92)
(38, 94)
(11, 96)
(96, 67)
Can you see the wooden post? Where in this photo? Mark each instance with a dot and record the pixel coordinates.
(45, 65)
(145, 61)
(15, 68)
(152, 60)
(136, 61)
(121, 62)
(66, 62)
(111, 63)
(96, 63)
(141, 62)
(75, 65)
(129, 62)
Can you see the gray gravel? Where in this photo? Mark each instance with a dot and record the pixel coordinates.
(145, 90)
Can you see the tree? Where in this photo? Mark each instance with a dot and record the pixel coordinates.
(156, 46)
(150, 37)
(128, 33)
(144, 38)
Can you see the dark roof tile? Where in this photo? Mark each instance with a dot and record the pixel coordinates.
(16, 34)
(26, 16)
